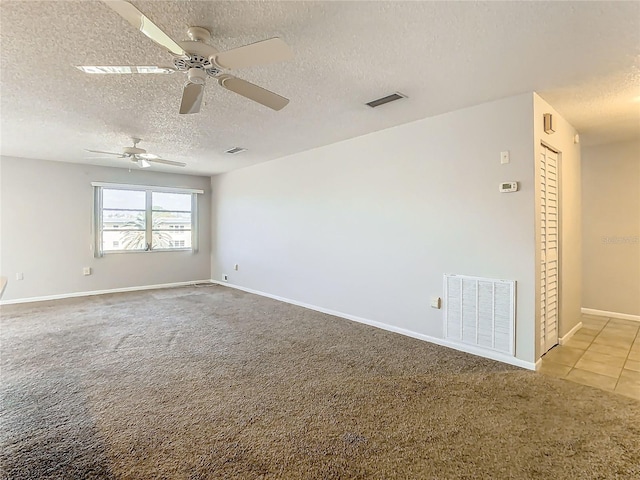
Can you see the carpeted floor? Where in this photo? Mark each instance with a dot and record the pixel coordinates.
(209, 382)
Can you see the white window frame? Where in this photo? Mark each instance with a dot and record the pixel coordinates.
(149, 190)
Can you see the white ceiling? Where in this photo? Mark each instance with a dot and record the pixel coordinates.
(582, 57)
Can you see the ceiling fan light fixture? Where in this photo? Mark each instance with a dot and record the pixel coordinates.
(389, 98)
(197, 76)
(235, 150)
(142, 163)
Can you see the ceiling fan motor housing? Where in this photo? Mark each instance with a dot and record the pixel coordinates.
(133, 150)
(200, 56)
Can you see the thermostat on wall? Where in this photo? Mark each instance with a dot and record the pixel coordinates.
(506, 187)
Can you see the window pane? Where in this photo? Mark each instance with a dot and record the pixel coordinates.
(131, 199)
(171, 220)
(131, 240)
(171, 201)
(166, 240)
(123, 220)
(125, 223)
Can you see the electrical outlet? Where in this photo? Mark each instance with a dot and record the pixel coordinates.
(436, 302)
(19, 276)
(86, 270)
(225, 277)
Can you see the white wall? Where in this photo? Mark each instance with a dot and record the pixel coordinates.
(611, 227)
(561, 141)
(46, 226)
(367, 227)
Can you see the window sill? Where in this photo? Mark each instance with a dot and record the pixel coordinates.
(111, 252)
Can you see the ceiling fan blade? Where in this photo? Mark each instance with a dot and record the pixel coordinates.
(136, 18)
(124, 69)
(253, 92)
(147, 156)
(191, 98)
(121, 155)
(166, 162)
(259, 53)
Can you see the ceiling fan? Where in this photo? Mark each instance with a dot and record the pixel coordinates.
(200, 60)
(140, 156)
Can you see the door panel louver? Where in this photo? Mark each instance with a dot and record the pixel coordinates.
(480, 312)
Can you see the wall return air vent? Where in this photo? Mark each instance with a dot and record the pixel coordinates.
(480, 312)
(389, 98)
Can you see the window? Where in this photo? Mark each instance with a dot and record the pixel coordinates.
(133, 218)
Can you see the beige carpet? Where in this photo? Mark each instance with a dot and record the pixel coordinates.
(208, 382)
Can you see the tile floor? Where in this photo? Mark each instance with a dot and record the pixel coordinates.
(604, 353)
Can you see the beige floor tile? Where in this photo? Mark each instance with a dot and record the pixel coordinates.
(627, 332)
(564, 355)
(621, 321)
(621, 352)
(619, 332)
(583, 337)
(630, 377)
(588, 331)
(630, 327)
(613, 340)
(577, 343)
(632, 365)
(634, 355)
(629, 384)
(630, 391)
(600, 368)
(554, 369)
(603, 358)
(592, 379)
(592, 326)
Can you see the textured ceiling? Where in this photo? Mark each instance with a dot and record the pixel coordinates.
(581, 57)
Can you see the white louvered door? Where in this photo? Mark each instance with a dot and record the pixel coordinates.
(549, 244)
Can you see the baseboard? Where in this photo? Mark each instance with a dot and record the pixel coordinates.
(391, 328)
(604, 313)
(538, 364)
(102, 292)
(570, 334)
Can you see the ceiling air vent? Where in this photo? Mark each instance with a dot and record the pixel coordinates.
(235, 150)
(389, 98)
